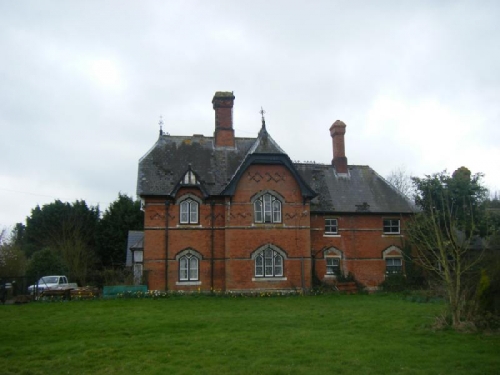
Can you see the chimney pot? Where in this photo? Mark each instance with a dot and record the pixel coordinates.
(223, 102)
(337, 131)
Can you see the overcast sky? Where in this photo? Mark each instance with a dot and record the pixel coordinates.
(83, 83)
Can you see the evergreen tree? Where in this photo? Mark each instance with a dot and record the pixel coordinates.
(122, 215)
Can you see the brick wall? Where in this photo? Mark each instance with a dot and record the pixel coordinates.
(227, 236)
(361, 240)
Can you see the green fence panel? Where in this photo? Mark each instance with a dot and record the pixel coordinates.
(114, 290)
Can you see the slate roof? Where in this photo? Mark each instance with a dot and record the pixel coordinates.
(166, 163)
(362, 190)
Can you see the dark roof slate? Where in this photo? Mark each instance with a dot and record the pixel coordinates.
(166, 163)
(361, 190)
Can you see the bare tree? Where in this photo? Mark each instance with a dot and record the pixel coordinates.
(445, 236)
(447, 252)
(70, 244)
(400, 179)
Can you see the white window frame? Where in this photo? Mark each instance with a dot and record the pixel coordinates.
(332, 265)
(191, 270)
(391, 268)
(269, 263)
(391, 226)
(267, 209)
(189, 211)
(331, 223)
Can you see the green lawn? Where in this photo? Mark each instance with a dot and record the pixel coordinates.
(330, 334)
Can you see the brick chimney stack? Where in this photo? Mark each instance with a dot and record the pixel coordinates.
(223, 105)
(337, 131)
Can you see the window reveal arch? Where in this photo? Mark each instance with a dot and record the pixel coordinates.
(267, 209)
(189, 266)
(268, 263)
(189, 211)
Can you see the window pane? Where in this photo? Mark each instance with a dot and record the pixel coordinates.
(258, 260)
(194, 212)
(331, 225)
(184, 212)
(278, 260)
(391, 226)
(267, 208)
(258, 271)
(278, 265)
(258, 211)
(278, 271)
(332, 266)
(193, 268)
(183, 268)
(276, 211)
(269, 270)
(394, 265)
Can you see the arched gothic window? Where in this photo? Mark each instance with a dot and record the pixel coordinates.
(189, 266)
(268, 263)
(267, 209)
(189, 211)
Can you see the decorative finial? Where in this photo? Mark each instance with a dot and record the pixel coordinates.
(161, 125)
(263, 119)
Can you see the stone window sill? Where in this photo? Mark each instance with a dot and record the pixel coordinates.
(269, 278)
(188, 283)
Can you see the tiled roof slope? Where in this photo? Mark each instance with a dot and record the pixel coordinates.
(361, 190)
(165, 164)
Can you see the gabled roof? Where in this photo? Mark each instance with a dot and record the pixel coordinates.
(266, 151)
(165, 164)
(361, 190)
(218, 170)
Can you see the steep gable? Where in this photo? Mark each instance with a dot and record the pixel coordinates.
(265, 151)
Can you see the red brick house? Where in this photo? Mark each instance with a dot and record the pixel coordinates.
(231, 213)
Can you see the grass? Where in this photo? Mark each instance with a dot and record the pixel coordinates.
(329, 334)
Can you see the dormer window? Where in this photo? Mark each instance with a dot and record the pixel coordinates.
(267, 209)
(189, 178)
(189, 211)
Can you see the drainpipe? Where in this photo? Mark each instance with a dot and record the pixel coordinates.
(212, 219)
(167, 214)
